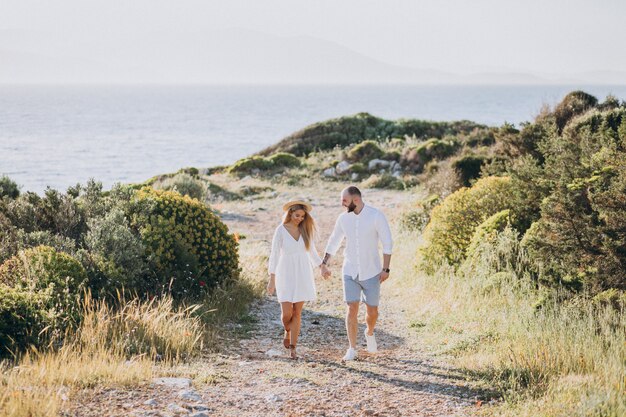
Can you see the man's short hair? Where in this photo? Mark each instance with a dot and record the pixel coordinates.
(352, 190)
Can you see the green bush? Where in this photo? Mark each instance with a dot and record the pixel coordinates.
(184, 184)
(8, 188)
(365, 152)
(453, 222)
(385, 181)
(468, 167)
(248, 165)
(188, 244)
(488, 229)
(358, 168)
(417, 156)
(44, 270)
(23, 319)
(284, 160)
(573, 104)
(114, 256)
(392, 156)
(415, 220)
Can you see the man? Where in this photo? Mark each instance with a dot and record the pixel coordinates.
(362, 226)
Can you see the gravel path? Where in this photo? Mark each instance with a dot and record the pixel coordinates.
(253, 376)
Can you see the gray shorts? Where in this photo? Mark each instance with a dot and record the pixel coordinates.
(367, 291)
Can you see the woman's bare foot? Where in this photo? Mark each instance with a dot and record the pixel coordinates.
(287, 339)
(293, 354)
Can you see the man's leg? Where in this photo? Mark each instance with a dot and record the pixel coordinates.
(352, 322)
(370, 318)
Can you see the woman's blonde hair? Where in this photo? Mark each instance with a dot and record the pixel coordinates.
(306, 226)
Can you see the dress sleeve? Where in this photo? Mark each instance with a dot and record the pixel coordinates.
(277, 244)
(384, 233)
(313, 255)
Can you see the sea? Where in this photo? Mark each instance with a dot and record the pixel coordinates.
(61, 135)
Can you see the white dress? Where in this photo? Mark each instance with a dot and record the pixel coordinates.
(293, 265)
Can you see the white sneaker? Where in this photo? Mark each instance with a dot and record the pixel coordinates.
(350, 354)
(372, 347)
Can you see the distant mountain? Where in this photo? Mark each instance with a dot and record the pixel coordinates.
(224, 56)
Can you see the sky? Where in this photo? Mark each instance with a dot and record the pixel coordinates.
(157, 40)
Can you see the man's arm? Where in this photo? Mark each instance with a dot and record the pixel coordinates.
(333, 243)
(384, 234)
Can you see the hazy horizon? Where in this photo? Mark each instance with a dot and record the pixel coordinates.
(296, 42)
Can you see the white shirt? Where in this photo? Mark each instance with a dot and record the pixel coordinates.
(362, 231)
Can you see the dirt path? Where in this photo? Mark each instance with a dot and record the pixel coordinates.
(254, 376)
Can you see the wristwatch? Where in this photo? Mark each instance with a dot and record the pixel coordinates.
(387, 270)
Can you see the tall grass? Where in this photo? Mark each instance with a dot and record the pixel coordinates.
(548, 354)
(113, 346)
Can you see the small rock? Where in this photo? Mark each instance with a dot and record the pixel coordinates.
(173, 382)
(273, 398)
(189, 395)
(177, 409)
(396, 174)
(150, 402)
(273, 353)
(199, 414)
(342, 167)
(354, 176)
(199, 407)
(376, 163)
(329, 172)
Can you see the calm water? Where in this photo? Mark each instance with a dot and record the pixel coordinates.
(58, 136)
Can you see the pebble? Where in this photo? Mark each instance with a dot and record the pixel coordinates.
(189, 395)
(150, 402)
(177, 409)
(173, 382)
(273, 398)
(273, 352)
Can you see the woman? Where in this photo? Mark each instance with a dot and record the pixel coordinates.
(290, 268)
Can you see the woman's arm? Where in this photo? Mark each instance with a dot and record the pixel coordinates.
(277, 243)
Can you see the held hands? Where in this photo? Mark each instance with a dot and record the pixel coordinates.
(271, 285)
(384, 276)
(325, 271)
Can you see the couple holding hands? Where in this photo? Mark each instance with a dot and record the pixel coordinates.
(294, 255)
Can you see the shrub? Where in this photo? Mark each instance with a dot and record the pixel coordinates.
(415, 157)
(184, 184)
(453, 222)
(386, 181)
(358, 168)
(284, 160)
(23, 318)
(573, 104)
(249, 165)
(415, 220)
(487, 230)
(468, 167)
(190, 246)
(8, 188)
(115, 256)
(46, 271)
(392, 156)
(365, 152)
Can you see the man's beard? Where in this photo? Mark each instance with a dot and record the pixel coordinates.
(351, 207)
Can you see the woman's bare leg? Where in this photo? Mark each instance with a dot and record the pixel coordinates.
(286, 316)
(296, 321)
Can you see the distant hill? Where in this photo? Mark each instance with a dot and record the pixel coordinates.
(224, 56)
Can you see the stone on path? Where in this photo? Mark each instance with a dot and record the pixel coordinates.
(189, 395)
(177, 409)
(150, 402)
(173, 382)
(273, 398)
(273, 352)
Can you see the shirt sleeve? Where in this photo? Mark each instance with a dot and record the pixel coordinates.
(384, 233)
(277, 243)
(335, 238)
(313, 255)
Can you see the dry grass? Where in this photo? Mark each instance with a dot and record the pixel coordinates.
(547, 358)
